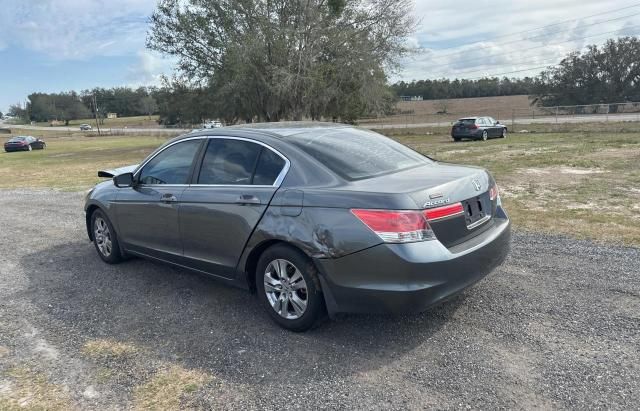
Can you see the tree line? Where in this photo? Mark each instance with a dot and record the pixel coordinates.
(602, 74)
(268, 83)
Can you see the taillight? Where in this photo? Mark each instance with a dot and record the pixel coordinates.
(474, 126)
(396, 226)
(493, 192)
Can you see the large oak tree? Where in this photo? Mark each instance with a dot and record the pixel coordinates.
(286, 59)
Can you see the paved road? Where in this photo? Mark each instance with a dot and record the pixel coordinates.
(557, 326)
(520, 121)
(104, 130)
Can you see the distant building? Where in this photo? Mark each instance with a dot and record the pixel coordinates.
(411, 98)
(112, 115)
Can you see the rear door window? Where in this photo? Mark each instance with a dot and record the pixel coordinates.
(269, 167)
(229, 162)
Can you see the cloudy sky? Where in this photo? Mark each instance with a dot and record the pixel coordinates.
(58, 45)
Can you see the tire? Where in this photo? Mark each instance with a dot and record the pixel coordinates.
(485, 135)
(105, 238)
(301, 286)
(29, 148)
(504, 133)
(457, 139)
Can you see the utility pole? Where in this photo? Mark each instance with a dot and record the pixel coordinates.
(95, 112)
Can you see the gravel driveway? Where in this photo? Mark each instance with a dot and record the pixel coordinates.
(557, 326)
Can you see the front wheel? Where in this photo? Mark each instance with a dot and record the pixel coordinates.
(289, 288)
(504, 133)
(29, 148)
(105, 238)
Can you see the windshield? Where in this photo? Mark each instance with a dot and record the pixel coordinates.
(467, 121)
(16, 139)
(356, 154)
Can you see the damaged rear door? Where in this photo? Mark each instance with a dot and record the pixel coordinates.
(234, 183)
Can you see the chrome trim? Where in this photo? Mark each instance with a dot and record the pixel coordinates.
(479, 222)
(276, 183)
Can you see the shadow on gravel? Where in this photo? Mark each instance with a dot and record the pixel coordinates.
(179, 316)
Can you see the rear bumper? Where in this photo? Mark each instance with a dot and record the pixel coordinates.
(468, 134)
(16, 148)
(406, 278)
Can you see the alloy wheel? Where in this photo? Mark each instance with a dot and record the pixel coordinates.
(286, 289)
(102, 237)
(485, 135)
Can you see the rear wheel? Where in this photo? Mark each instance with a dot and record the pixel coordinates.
(456, 139)
(289, 289)
(485, 135)
(29, 148)
(104, 238)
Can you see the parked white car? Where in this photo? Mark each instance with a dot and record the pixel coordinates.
(212, 124)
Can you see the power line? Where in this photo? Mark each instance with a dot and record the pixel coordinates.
(543, 27)
(531, 48)
(536, 37)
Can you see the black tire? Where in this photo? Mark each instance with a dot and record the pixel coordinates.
(315, 310)
(485, 135)
(115, 255)
(504, 133)
(457, 139)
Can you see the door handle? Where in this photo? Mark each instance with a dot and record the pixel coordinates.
(248, 199)
(168, 198)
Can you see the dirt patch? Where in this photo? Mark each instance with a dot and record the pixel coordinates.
(561, 170)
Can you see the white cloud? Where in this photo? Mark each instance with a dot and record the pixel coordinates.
(149, 68)
(75, 29)
(470, 39)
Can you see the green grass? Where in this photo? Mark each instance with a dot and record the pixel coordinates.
(583, 184)
(120, 122)
(71, 163)
(577, 183)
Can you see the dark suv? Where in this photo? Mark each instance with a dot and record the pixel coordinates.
(478, 128)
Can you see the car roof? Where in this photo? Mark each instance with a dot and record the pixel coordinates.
(288, 128)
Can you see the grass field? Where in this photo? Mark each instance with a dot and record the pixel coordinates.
(120, 122)
(578, 183)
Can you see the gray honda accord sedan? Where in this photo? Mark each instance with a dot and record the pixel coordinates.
(315, 218)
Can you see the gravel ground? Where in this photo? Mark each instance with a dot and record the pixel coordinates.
(557, 326)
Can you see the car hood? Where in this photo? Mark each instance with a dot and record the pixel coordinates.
(117, 171)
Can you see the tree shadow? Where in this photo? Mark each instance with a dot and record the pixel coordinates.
(179, 316)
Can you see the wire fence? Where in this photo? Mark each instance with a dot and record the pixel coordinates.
(596, 113)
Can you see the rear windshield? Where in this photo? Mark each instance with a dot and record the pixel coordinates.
(467, 121)
(356, 154)
(13, 140)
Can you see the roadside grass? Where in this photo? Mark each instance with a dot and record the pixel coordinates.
(71, 163)
(98, 349)
(169, 389)
(582, 184)
(134, 121)
(30, 390)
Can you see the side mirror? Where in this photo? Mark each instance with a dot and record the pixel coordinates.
(497, 122)
(123, 180)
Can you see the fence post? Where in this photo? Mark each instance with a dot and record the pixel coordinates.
(513, 117)
(557, 108)
(608, 106)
